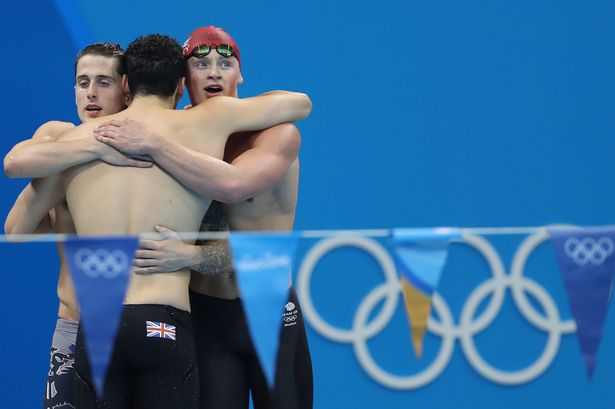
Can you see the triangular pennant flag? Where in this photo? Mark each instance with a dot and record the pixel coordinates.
(100, 268)
(420, 255)
(587, 262)
(263, 265)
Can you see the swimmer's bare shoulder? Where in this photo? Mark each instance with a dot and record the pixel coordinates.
(47, 132)
(59, 146)
(283, 139)
(31, 211)
(213, 114)
(51, 131)
(82, 131)
(230, 115)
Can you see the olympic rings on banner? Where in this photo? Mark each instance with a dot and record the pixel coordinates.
(589, 250)
(469, 325)
(101, 262)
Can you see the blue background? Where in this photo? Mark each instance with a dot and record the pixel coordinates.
(425, 113)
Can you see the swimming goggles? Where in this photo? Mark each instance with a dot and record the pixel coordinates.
(202, 50)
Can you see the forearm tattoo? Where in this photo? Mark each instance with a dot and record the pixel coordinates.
(215, 258)
(215, 254)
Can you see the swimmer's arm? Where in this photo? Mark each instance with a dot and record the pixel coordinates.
(165, 255)
(170, 254)
(22, 218)
(211, 257)
(48, 132)
(252, 173)
(214, 258)
(261, 167)
(230, 115)
(30, 213)
(45, 157)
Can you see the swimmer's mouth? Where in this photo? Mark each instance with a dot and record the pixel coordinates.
(214, 89)
(93, 108)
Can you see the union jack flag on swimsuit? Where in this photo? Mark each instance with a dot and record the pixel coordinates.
(160, 330)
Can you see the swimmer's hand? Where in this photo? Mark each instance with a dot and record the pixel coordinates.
(127, 136)
(166, 255)
(114, 157)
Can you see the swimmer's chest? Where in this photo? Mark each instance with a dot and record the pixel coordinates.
(264, 212)
(279, 202)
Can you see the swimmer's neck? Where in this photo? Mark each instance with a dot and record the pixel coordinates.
(140, 102)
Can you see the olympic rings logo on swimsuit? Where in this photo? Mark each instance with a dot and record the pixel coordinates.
(101, 262)
(290, 318)
(589, 250)
(491, 292)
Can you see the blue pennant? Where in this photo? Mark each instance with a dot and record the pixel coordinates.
(100, 268)
(586, 260)
(421, 254)
(263, 265)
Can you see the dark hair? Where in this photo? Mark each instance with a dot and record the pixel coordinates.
(111, 50)
(154, 65)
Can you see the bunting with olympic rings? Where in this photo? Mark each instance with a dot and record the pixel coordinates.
(586, 259)
(587, 263)
(100, 268)
(420, 255)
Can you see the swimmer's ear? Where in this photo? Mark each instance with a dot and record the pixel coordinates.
(126, 90)
(125, 86)
(179, 91)
(240, 78)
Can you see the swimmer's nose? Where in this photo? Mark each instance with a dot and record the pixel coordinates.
(214, 72)
(92, 91)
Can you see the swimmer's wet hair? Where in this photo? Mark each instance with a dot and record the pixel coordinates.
(154, 65)
(111, 50)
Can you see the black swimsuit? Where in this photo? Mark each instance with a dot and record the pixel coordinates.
(144, 372)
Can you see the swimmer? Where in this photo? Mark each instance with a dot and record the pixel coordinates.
(98, 92)
(261, 178)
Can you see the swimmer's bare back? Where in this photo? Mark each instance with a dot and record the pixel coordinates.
(107, 199)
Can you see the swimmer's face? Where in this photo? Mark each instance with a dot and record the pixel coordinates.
(211, 76)
(98, 87)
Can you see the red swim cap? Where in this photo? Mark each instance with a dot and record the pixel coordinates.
(209, 35)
